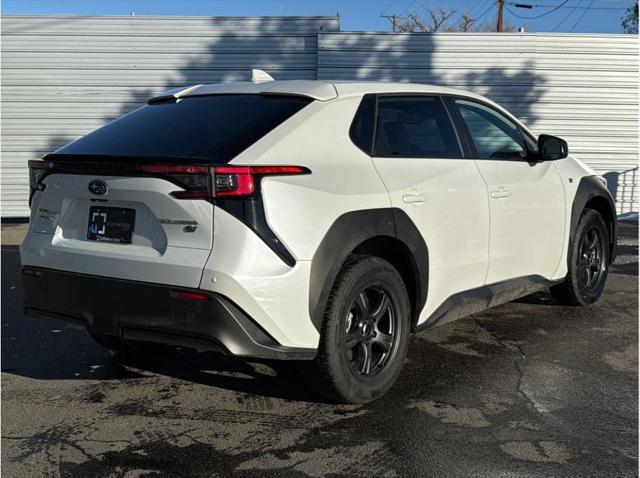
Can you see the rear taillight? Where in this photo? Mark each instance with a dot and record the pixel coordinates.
(198, 181)
(232, 181)
(238, 181)
(194, 179)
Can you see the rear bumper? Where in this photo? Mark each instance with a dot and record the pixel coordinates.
(150, 312)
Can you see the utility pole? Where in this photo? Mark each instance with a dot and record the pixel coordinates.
(500, 8)
(394, 21)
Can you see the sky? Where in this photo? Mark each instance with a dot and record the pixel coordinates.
(579, 16)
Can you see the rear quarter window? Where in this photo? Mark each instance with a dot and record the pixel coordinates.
(361, 132)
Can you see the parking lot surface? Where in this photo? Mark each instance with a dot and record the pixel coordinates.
(526, 389)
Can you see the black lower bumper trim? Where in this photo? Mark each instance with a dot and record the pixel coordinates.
(151, 312)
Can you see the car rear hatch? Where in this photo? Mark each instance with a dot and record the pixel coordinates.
(135, 199)
(133, 230)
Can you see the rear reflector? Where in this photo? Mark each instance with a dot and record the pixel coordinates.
(31, 272)
(186, 295)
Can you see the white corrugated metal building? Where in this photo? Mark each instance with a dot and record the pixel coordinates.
(63, 76)
(583, 88)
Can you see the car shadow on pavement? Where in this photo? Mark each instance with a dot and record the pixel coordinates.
(51, 349)
(274, 379)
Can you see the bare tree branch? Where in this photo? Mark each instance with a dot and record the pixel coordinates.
(439, 19)
(465, 22)
(417, 24)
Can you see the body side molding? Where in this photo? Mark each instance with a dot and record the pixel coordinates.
(591, 187)
(408, 233)
(349, 231)
(482, 298)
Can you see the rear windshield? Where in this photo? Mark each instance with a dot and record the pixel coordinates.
(212, 128)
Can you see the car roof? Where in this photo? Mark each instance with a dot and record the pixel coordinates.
(348, 88)
(321, 90)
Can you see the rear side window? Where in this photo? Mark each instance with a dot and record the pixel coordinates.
(417, 126)
(361, 131)
(212, 128)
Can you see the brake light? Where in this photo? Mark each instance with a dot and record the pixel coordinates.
(237, 181)
(231, 181)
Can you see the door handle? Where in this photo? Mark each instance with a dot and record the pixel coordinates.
(500, 193)
(414, 197)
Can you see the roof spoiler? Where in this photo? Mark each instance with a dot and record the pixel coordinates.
(257, 76)
(172, 95)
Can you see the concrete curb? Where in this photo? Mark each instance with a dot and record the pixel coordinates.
(13, 234)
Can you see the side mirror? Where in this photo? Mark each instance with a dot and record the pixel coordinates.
(551, 148)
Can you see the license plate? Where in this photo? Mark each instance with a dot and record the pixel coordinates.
(111, 224)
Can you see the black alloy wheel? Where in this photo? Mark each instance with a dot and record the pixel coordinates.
(371, 332)
(591, 265)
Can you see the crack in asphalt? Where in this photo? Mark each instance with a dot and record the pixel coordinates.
(518, 363)
(459, 407)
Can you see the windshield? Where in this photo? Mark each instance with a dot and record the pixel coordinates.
(213, 128)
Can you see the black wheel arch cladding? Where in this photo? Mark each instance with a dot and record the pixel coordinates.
(591, 191)
(349, 231)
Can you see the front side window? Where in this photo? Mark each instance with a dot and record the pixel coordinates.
(493, 135)
(212, 128)
(414, 126)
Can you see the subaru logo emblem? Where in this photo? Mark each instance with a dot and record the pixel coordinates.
(98, 187)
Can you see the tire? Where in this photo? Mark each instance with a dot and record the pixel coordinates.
(588, 267)
(356, 310)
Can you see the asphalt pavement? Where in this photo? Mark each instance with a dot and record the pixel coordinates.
(526, 389)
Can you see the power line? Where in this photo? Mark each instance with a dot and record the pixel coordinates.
(394, 21)
(393, 2)
(555, 7)
(480, 6)
(423, 3)
(567, 16)
(482, 14)
(542, 14)
(581, 16)
(406, 10)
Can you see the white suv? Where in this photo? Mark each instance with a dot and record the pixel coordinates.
(309, 220)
